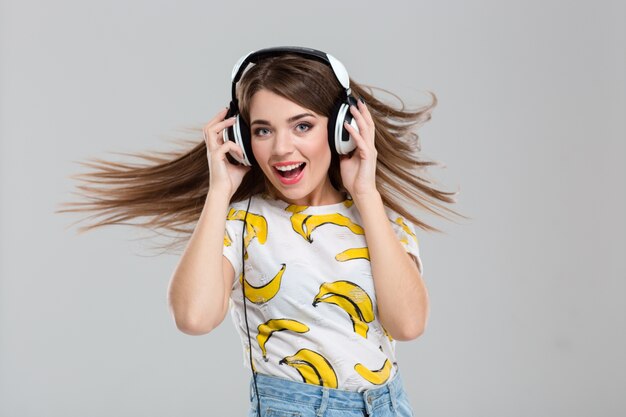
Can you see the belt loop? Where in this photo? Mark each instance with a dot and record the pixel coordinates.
(324, 404)
(367, 399)
(393, 392)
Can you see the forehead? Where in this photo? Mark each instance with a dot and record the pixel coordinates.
(270, 106)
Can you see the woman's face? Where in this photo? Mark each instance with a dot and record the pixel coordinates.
(290, 144)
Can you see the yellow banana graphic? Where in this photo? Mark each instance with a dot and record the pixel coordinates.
(297, 218)
(314, 221)
(305, 224)
(256, 225)
(312, 367)
(353, 253)
(358, 325)
(377, 377)
(267, 329)
(352, 299)
(266, 292)
(404, 227)
(295, 208)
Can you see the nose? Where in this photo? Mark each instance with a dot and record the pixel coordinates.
(283, 143)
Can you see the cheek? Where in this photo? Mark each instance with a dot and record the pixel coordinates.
(259, 151)
(322, 154)
(261, 156)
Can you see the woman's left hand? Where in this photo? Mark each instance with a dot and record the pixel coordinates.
(358, 171)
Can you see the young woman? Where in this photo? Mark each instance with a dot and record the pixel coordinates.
(302, 231)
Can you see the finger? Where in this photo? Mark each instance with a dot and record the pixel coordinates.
(219, 126)
(360, 142)
(218, 117)
(213, 135)
(360, 119)
(219, 138)
(365, 111)
(356, 113)
(364, 128)
(366, 148)
(211, 141)
(228, 147)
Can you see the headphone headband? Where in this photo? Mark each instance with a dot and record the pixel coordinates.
(255, 56)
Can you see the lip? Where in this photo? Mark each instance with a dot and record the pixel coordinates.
(289, 181)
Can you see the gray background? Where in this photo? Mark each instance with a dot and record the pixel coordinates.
(527, 299)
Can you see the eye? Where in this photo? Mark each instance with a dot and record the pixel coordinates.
(258, 131)
(307, 126)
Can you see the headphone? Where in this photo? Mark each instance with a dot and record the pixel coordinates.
(339, 139)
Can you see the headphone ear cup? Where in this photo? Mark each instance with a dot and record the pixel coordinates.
(332, 127)
(245, 142)
(240, 135)
(340, 139)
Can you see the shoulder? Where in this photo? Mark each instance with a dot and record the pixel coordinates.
(399, 222)
(393, 215)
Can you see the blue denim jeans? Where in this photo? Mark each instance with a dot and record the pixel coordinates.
(280, 397)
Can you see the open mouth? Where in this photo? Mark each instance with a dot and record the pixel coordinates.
(290, 171)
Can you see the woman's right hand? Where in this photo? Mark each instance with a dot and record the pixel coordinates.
(224, 176)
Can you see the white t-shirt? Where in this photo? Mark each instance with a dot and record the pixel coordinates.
(310, 297)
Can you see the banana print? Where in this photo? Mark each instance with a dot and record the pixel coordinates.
(353, 253)
(266, 292)
(295, 209)
(312, 367)
(305, 224)
(377, 377)
(267, 329)
(256, 226)
(358, 325)
(352, 299)
(403, 225)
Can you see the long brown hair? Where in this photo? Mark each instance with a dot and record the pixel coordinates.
(171, 188)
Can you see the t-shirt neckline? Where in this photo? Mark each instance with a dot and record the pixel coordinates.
(323, 208)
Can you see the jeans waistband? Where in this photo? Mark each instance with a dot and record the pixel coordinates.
(323, 397)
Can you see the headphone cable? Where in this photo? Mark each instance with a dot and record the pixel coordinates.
(245, 310)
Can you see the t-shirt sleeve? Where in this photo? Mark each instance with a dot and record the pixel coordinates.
(405, 230)
(232, 244)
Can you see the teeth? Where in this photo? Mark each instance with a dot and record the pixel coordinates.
(288, 167)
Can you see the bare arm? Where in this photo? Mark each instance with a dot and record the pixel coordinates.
(200, 286)
(400, 291)
(401, 294)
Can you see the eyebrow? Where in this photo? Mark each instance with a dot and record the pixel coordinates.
(291, 119)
